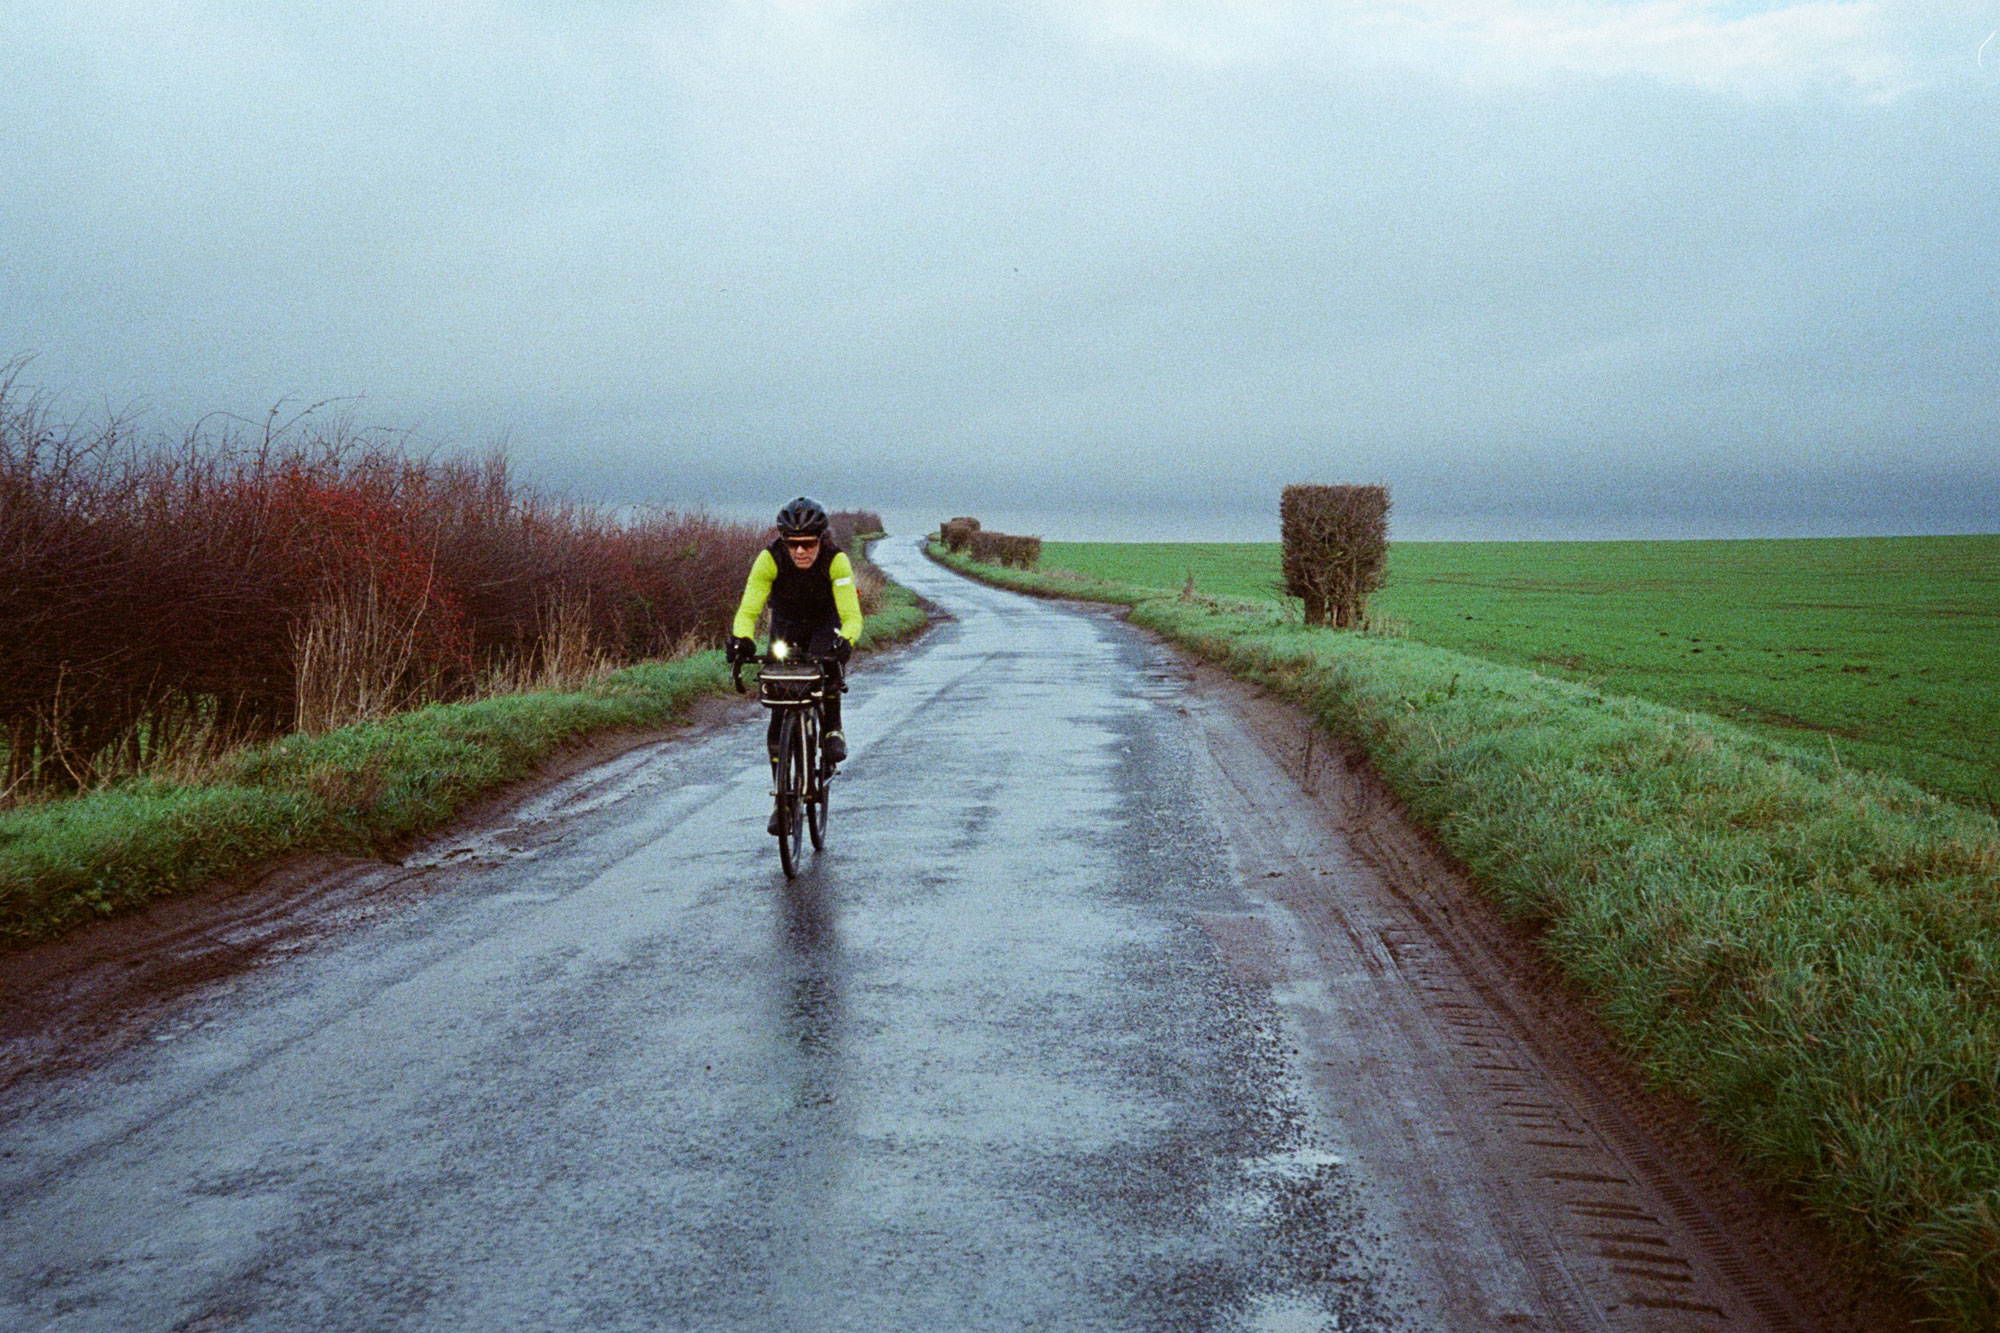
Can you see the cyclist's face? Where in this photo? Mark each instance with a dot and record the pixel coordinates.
(803, 550)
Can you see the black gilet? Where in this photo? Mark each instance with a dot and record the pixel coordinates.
(803, 598)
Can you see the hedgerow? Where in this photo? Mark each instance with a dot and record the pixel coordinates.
(360, 789)
(161, 597)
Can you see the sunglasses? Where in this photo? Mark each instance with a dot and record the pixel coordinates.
(802, 543)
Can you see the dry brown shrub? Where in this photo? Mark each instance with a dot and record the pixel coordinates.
(869, 583)
(957, 533)
(1336, 546)
(847, 526)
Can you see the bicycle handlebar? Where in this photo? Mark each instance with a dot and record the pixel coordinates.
(736, 668)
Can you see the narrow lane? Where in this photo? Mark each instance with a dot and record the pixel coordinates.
(1064, 1030)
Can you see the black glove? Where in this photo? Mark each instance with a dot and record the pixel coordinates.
(828, 646)
(741, 652)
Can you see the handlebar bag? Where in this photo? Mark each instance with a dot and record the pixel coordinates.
(789, 684)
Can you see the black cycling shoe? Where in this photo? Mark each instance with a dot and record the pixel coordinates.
(835, 746)
(772, 828)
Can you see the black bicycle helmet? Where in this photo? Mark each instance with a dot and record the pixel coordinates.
(802, 518)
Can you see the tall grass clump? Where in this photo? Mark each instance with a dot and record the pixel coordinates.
(1810, 953)
(167, 597)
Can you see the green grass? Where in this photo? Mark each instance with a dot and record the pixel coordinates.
(359, 789)
(1886, 651)
(1808, 951)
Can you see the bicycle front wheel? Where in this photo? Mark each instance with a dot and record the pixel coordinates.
(792, 787)
(822, 774)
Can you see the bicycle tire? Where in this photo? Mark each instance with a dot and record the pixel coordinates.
(822, 773)
(791, 792)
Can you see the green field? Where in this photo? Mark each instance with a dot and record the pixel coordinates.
(1885, 649)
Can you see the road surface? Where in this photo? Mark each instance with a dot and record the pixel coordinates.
(1111, 1004)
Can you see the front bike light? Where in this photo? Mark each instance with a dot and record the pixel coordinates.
(780, 649)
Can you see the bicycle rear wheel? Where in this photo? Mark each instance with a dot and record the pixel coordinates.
(792, 788)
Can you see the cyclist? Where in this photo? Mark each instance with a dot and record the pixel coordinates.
(809, 585)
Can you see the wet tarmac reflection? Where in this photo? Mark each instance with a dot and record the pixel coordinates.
(809, 964)
(815, 1138)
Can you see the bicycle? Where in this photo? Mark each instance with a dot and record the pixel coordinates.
(802, 776)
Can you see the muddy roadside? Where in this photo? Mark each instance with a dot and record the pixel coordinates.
(1449, 1046)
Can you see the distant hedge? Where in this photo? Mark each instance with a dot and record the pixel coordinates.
(956, 533)
(847, 526)
(965, 536)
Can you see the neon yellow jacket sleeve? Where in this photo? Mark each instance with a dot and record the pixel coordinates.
(845, 599)
(756, 592)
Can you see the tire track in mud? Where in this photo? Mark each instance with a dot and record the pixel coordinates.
(1544, 1185)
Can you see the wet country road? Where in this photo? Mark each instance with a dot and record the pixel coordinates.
(1026, 1047)
(978, 1068)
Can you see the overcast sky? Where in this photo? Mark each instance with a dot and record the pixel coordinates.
(1546, 267)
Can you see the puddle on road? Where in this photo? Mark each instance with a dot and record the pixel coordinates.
(1299, 1163)
(1286, 1314)
(519, 898)
(1272, 1181)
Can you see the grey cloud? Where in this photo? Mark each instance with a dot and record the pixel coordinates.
(954, 258)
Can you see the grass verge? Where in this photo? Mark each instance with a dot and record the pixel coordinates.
(1810, 953)
(358, 789)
